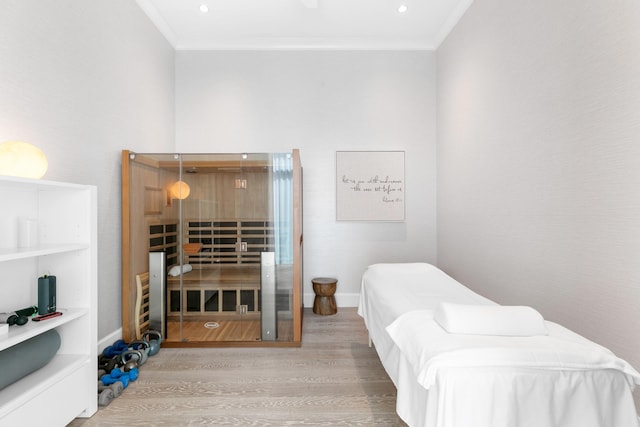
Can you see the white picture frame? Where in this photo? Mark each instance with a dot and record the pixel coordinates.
(370, 186)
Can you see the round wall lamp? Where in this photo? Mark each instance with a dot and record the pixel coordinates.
(179, 190)
(22, 159)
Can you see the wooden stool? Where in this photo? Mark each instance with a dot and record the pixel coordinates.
(324, 302)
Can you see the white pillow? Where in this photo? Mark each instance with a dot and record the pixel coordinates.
(175, 270)
(501, 320)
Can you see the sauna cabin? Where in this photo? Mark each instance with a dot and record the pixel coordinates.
(211, 248)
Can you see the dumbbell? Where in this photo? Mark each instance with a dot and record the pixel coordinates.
(154, 338)
(13, 319)
(106, 394)
(115, 387)
(115, 349)
(105, 397)
(108, 363)
(108, 380)
(132, 374)
(117, 375)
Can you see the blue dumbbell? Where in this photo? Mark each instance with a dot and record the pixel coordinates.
(132, 374)
(108, 380)
(117, 375)
(115, 349)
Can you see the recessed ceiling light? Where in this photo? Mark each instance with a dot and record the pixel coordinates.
(403, 8)
(204, 8)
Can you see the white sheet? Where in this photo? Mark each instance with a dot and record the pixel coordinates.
(487, 397)
(428, 348)
(389, 290)
(510, 397)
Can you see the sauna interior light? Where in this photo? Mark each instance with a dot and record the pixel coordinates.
(22, 159)
(179, 190)
(403, 8)
(204, 8)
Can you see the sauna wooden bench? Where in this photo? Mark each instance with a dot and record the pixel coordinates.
(222, 279)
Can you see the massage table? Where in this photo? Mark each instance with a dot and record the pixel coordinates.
(556, 378)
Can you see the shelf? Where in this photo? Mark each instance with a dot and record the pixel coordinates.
(32, 385)
(24, 253)
(66, 217)
(40, 184)
(20, 333)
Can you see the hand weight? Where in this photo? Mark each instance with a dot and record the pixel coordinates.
(108, 380)
(116, 375)
(13, 319)
(116, 388)
(105, 397)
(108, 363)
(115, 349)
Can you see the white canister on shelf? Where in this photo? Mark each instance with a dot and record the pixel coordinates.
(28, 233)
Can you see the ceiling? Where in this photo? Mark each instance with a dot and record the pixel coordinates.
(304, 24)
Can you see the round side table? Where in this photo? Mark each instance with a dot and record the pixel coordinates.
(324, 303)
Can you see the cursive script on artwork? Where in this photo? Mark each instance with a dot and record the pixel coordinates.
(389, 189)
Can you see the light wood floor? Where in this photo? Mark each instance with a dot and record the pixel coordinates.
(334, 379)
(227, 330)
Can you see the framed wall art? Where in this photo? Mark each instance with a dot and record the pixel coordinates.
(370, 186)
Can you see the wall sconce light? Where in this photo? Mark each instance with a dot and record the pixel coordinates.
(22, 159)
(179, 190)
(241, 184)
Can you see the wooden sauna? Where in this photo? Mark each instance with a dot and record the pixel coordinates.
(229, 227)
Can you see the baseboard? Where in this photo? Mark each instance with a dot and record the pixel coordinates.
(109, 339)
(342, 300)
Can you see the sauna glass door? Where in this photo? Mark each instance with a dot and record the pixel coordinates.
(225, 223)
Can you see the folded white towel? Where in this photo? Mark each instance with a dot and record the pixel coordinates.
(176, 270)
(501, 320)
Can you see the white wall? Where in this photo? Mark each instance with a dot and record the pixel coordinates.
(322, 102)
(83, 80)
(539, 161)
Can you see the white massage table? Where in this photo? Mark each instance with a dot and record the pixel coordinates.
(484, 387)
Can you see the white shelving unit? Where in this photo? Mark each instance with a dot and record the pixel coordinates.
(66, 217)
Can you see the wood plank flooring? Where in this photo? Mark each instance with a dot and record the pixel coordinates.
(333, 379)
(226, 330)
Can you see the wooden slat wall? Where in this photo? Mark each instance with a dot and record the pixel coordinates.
(222, 240)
